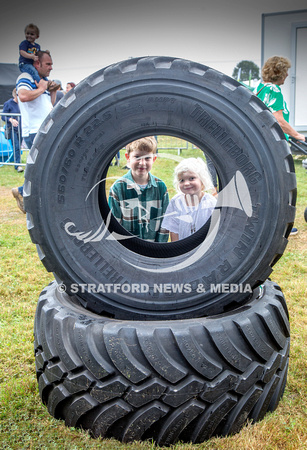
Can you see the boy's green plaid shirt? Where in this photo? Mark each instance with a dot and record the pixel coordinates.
(140, 210)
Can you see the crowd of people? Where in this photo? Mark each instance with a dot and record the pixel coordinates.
(32, 100)
(138, 200)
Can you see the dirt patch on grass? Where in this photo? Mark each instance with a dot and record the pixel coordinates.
(9, 209)
(299, 241)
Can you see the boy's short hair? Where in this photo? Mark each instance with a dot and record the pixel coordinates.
(146, 144)
(41, 53)
(32, 27)
(199, 167)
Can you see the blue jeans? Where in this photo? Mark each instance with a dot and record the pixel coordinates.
(16, 146)
(29, 68)
(29, 142)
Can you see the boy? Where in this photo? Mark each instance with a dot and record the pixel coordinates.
(138, 200)
(28, 50)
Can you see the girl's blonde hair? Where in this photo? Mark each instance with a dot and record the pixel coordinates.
(275, 69)
(199, 167)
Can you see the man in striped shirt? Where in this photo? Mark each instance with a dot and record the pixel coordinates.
(138, 199)
(35, 103)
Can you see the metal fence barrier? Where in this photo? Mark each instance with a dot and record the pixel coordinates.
(11, 149)
(173, 143)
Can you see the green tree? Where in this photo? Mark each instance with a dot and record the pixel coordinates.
(246, 70)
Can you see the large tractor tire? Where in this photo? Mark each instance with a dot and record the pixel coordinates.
(183, 380)
(125, 277)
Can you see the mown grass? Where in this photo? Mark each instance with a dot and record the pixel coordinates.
(24, 420)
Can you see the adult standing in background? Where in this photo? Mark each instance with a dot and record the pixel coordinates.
(70, 86)
(13, 126)
(59, 92)
(274, 73)
(35, 103)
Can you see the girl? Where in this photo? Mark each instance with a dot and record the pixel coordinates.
(190, 209)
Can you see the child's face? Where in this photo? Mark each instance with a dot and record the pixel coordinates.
(31, 35)
(140, 162)
(189, 183)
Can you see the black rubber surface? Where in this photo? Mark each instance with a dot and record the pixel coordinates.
(167, 380)
(64, 191)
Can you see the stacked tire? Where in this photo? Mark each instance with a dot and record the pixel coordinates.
(178, 341)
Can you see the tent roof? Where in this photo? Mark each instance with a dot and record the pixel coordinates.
(8, 76)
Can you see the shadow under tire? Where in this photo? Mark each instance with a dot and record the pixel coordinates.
(66, 204)
(183, 380)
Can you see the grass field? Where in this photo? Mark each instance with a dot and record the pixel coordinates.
(24, 420)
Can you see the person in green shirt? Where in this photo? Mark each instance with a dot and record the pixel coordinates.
(274, 73)
(138, 200)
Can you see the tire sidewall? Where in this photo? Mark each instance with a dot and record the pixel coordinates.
(81, 141)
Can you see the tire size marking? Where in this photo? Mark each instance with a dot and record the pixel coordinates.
(63, 175)
(87, 132)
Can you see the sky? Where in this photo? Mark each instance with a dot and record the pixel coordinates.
(84, 36)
